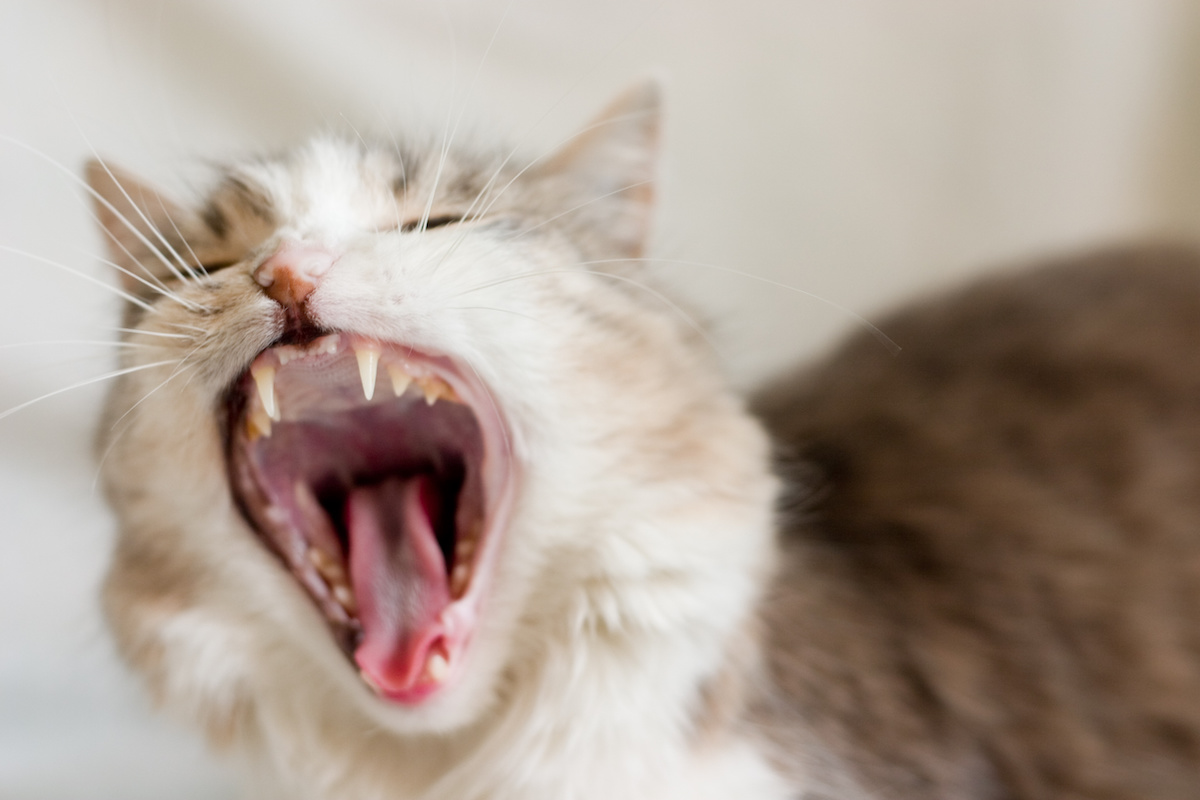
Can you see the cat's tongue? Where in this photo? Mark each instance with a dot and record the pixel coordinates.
(399, 578)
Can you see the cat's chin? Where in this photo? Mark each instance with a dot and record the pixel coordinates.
(383, 478)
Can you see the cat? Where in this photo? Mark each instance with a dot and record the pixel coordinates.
(426, 490)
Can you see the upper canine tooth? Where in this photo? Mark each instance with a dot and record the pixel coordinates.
(400, 379)
(258, 424)
(368, 367)
(264, 378)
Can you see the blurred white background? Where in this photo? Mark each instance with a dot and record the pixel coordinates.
(859, 151)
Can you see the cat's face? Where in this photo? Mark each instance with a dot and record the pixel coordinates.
(418, 425)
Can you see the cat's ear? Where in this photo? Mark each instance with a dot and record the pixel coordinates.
(147, 234)
(606, 174)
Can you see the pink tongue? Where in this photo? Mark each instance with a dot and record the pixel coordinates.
(399, 579)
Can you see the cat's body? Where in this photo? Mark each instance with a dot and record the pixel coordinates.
(992, 542)
(557, 574)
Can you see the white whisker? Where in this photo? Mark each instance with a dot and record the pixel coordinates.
(573, 209)
(180, 368)
(366, 148)
(563, 96)
(117, 437)
(99, 199)
(493, 200)
(105, 377)
(151, 280)
(157, 286)
(620, 278)
(445, 128)
(138, 332)
(112, 237)
(184, 271)
(187, 327)
(57, 342)
(199, 268)
(492, 308)
(883, 338)
(108, 287)
(551, 150)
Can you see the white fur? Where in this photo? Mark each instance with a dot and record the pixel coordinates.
(635, 556)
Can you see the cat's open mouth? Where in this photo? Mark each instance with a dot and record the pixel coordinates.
(381, 476)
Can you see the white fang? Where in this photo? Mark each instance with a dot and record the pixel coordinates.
(264, 379)
(368, 368)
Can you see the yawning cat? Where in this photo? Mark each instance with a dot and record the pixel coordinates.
(425, 492)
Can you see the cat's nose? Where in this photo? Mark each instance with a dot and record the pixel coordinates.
(291, 273)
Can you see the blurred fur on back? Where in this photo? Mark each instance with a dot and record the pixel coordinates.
(991, 582)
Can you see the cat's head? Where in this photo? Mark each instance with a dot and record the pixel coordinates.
(402, 427)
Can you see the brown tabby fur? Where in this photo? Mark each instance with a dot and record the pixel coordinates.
(992, 543)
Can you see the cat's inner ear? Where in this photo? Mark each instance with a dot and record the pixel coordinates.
(605, 175)
(149, 236)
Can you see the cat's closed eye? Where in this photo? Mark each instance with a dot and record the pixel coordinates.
(433, 222)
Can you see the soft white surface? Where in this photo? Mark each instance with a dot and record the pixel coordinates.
(857, 151)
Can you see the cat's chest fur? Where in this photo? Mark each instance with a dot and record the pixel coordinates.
(426, 492)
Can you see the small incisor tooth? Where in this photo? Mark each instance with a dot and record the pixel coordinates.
(327, 566)
(435, 389)
(264, 379)
(400, 379)
(464, 548)
(345, 598)
(368, 368)
(437, 668)
(458, 578)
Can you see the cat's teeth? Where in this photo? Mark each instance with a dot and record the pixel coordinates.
(400, 380)
(463, 548)
(345, 598)
(437, 667)
(329, 567)
(458, 579)
(435, 389)
(264, 379)
(327, 345)
(258, 424)
(368, 368)
(367, 680)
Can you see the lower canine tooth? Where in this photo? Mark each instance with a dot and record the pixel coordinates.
(437, 667)
(367, 680)
(368, 368)
(264, 379)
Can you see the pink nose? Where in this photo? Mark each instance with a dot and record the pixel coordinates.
(291, 273)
